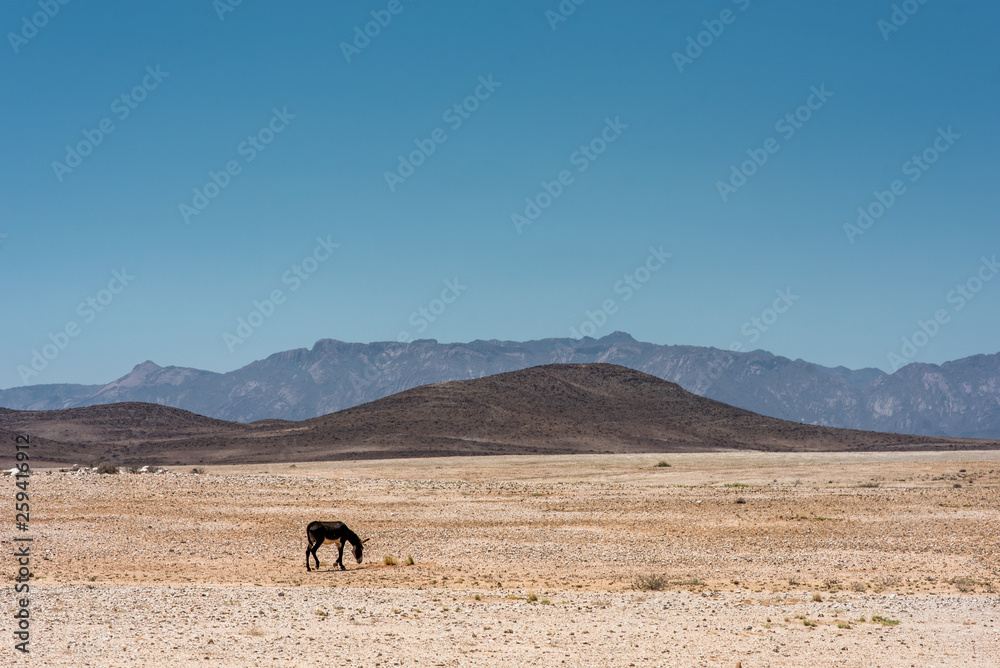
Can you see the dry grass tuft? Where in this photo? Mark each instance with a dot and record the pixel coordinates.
(650, 582)
(964, 585)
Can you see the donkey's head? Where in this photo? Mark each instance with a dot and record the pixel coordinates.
(359, 549)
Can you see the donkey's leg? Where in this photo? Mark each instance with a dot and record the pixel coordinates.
(340, 557)
(309, 549)
(314, 547)
(309, 544)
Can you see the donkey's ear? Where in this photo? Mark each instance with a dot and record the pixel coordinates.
(365, 541)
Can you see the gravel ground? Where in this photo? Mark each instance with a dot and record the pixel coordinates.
(718, 559)
(147, 626)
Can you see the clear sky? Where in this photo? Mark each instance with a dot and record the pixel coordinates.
(676, 170)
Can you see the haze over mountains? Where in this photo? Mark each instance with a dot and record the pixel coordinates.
(552, 409)
(958, 399)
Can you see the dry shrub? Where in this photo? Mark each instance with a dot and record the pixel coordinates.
(651, 582)
(964, 585)
(891, 580)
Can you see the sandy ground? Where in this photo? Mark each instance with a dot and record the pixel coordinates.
(610, 560)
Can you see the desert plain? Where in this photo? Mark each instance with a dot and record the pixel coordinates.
(708, 559)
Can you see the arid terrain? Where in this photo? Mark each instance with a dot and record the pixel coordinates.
(766, 559)
(557, 409)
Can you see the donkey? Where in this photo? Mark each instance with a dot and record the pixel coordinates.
(336, 533)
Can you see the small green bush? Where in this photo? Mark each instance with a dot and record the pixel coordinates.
(884, 621)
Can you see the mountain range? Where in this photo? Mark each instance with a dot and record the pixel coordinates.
(959, 399)
(551, 409)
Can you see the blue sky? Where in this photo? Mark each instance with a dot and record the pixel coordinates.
(643, 125)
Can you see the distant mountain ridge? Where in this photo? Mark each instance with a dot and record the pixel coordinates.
(959, 399)
(550, 409)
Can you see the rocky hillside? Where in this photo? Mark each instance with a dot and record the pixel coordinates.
(956, 399)
(552, 409)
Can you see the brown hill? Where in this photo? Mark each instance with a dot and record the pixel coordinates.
(108, 432)
(559, 408)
